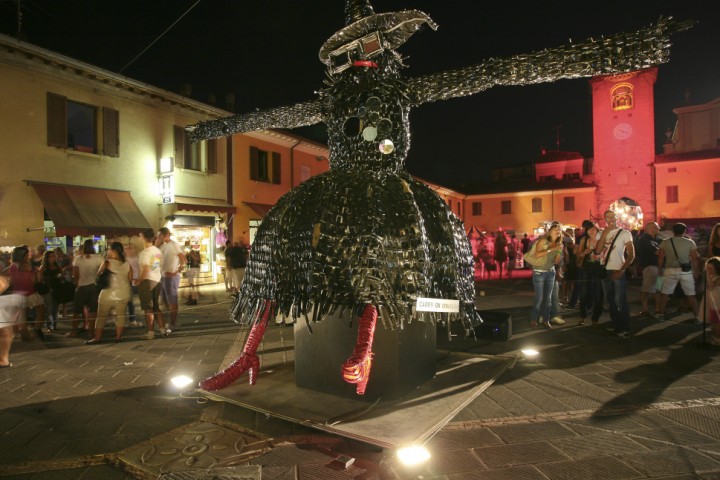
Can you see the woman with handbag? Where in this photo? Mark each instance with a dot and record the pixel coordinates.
(115, 295)
(544, 257)
(588, 264)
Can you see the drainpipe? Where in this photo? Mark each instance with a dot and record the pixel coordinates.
(292, 164)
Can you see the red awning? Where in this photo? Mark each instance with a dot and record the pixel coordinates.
(192, 204)
(77, 210)
(259, 208)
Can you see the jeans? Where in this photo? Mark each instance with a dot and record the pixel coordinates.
(616, 296)
(131, 303)
(51, 311)
(544, 285)
(591, 293)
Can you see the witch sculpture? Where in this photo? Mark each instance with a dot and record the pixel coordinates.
(366, 239)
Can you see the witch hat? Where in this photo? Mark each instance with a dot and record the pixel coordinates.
(367, 33)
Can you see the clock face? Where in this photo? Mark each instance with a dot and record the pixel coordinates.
(622, 131)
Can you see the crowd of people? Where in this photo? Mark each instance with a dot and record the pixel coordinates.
(589, 269)
(36, 286)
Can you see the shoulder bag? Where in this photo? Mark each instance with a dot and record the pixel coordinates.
(684, 266)
(102, 281)
(602, 271)
(532, 259)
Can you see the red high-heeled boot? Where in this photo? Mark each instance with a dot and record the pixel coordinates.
(246, 362)
(356, 369)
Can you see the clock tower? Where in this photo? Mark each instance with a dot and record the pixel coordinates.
(624, 139)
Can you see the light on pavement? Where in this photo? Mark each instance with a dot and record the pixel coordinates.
(530, 352)
(181, 381)
(413, 455)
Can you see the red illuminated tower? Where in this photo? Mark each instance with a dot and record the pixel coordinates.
(624, 138)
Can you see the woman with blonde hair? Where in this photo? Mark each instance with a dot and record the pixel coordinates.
(548, 247)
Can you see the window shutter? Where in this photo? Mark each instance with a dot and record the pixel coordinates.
(56, 120)
(111, 132)
(179, 137)
(254, 173)
(212, 155)
(276, 168)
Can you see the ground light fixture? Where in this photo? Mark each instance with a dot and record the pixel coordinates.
(530, 352)
(181, 381)
(413, 455)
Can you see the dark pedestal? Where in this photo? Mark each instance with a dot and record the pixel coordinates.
(402, 360)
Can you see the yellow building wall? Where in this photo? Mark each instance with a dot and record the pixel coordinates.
(694, 180)
(303, 161)
(522, 219)
(145, 134)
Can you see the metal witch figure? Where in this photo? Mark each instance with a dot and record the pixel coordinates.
(366, 239)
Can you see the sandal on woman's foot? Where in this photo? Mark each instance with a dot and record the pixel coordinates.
(6, 366)
(547, 325)
(533, 324)
(581, 322)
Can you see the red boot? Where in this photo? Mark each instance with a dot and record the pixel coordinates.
(356, 369)
(247, 362)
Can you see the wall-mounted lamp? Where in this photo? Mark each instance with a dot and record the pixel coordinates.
(165, 165)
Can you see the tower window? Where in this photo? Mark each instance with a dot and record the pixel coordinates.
(622, 96)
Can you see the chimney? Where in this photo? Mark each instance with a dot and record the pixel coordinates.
(230, 102)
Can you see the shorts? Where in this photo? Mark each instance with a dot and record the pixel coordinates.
(86, 296)
(237, 276)
(192, 274)
(673, 276)
(149, 293)
(12, 309)
(33, 300)
(649, 279)
(170, 287)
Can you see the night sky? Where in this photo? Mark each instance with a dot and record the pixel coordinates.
(265, 52)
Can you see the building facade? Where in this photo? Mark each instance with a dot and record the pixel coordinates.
(88, 153)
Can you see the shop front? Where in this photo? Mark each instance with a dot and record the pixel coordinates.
(198, 224)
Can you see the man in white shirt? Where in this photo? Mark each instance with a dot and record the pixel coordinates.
(173, 262)
(617, 253)
(678, 262)
(150, 260)
(85, 269)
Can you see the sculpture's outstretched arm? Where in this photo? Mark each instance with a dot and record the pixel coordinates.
(605, 56)
(298, 115)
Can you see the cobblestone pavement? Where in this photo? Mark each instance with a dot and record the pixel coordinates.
(589, 406)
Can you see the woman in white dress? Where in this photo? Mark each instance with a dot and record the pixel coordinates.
(117, 294)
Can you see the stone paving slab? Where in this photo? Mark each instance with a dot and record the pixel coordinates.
(590, 406)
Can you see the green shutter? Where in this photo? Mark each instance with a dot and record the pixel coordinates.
(179, 138)
(111, 132)
(276, 168)
(56, 120)
(254, 173)
(212, 150)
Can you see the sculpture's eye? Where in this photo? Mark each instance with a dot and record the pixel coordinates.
(351, 127)
(384, 126)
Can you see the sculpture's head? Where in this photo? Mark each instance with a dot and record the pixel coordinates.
(367, 34)
(369, 123)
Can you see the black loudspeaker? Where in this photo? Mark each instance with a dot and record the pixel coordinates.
(496, 325)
